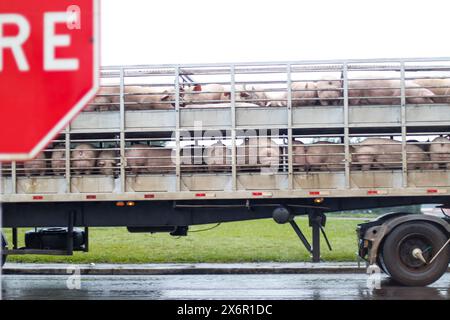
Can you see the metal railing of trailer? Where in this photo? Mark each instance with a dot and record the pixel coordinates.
(184, 128)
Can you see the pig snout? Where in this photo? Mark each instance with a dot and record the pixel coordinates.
(37, 166)
(440, 152)
(107, 162)
(329, 92)
(58, 162)
(83, 159)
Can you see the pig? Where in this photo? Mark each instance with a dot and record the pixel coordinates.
(83, 158)
(247, 93)
(254, 94)
(440, 87)
(137, 158)
(191, 158)
(104, 100)
(203, 94)
(218, 157)
(276, 99)
(298, 155)
(304, 94)
(160, 160)
(269, 154)
(107, 162)
(145, 98)
(363, 92)
(58, 159)
(37, 166)
(440, 152)
(325, 155)
(259, 153)
(386, 153)
(142, 158)
(329, 91)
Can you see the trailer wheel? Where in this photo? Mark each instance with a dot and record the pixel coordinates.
(398, 255)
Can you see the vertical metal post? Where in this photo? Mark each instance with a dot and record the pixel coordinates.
(233, 129)
(68, 156)
(403, 124)
(70, 233)
(177, 130)
(289, 124)
(123, 159)
(14, 239)
(86, 239)
(348, 156)
(14, 176)
(314, 221)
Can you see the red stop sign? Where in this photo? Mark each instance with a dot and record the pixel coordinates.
(49, 67)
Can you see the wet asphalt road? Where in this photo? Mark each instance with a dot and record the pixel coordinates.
(301, 286)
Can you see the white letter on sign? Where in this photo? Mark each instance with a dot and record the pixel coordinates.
(51, 41)
(15, 43)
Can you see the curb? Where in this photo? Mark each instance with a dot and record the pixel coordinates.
(184, 269)
(29, 269)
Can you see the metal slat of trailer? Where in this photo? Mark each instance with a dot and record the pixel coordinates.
(233, 129)
(294, 62)
(13, 177)
(177, 130)
(67, 158)
(348, 157)
(289, 128)
(123, 160)
(403, 125)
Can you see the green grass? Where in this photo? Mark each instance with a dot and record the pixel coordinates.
(248, 241)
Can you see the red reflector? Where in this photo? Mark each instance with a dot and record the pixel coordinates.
(314, 193)
(200, 194)
(149, 196)
(372, 192)
(38, 198)
(432, 190)
(91, 197)
(257, 194)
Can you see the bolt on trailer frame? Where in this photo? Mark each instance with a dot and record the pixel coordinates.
(188, 194)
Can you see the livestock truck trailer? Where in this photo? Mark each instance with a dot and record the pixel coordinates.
(165, 147)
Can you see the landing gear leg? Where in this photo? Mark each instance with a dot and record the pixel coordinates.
(317, 221)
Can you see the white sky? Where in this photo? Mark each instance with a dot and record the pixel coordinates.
(202, 31)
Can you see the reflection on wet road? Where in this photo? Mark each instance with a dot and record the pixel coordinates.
(288, 286)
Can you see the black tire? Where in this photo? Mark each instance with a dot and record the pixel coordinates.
(399, 261)
(3, 243)
(3, 259)
(381, 264)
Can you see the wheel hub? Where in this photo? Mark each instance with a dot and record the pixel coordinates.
(415, 251)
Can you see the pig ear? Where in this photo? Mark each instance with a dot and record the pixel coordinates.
(197, 87)
(165, 96)
(227, 94)
(244, 94)
(101, 163)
